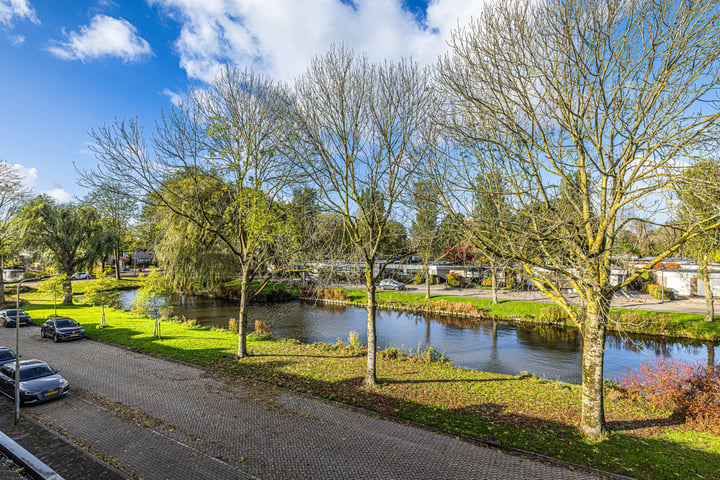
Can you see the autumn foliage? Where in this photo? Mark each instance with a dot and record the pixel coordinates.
(689, 391)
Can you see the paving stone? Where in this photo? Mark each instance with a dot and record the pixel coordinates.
(182, 422)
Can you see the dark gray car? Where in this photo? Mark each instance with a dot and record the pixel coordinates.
(39, 382)
(10, 316)
(6, 355)
(62, 329)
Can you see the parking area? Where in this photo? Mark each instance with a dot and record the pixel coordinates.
(159, 419)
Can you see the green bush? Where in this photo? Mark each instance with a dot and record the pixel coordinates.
(555, 315)
(656, 291)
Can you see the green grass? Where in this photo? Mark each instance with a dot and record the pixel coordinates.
(520, 412)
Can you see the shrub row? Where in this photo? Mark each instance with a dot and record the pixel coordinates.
(690, 391)
(268, 295)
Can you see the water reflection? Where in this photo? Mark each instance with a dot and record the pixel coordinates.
(494, 346)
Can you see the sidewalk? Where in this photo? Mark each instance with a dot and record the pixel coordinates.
(632, 300)
(157, 419)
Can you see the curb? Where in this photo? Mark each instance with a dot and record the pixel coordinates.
(34, 467)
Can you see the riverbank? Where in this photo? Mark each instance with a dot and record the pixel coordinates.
(627, 316)
(521, 412)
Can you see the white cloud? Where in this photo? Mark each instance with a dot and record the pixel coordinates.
(59, 195)
(11, 9)
(105, 36)
(28, 175)
(175, 98)
(281, 37)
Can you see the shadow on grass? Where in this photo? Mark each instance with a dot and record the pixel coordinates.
(293, 355)
(453, 380)
(626, 425)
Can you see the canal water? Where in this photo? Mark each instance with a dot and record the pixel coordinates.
(500, 347)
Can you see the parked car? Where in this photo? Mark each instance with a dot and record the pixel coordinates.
(61, 329)
(80, 276)
(391, 284)
(6, 356)
(124, 268)
(10, 316)
(39, 382)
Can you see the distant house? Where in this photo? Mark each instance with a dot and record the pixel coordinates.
(13, 274)
(682, 278)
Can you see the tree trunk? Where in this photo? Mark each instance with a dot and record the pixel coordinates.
(2, 279)
(592, 422)
(242, 351)
(67, 292)
(116, 252)
(427, 281)
(493, 283)
(370, 378)
(704, 275)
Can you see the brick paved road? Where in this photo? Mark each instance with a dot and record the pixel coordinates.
(191, 424)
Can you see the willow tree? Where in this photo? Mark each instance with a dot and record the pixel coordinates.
(226, 136)
(72, 235)
(584, 108)
(358, 125)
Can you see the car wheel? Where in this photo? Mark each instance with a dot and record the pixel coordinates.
(56, 338)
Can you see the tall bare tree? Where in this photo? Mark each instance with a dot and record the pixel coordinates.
(225, 137)
(583, 107)
(358, 124)
(424, 230)
(117, 211)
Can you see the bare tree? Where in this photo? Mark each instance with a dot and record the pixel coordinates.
(358, 124)
(583, 108)
(213, 161)
(117, 211)
(424, 228)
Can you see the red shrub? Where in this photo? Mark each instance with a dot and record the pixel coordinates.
(690, 391)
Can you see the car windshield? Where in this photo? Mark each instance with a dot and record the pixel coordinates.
(14, 313)
(35, 371)
(66, 322)
(6, 355)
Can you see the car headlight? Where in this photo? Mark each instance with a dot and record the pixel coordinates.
(27, 391)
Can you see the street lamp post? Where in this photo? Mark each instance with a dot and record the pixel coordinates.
(17, 343)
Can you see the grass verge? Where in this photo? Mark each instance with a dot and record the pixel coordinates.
(520, 412)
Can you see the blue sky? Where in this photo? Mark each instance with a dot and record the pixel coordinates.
(70, 66)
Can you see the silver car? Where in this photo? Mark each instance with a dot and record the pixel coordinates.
(391, 284)
(39, 382)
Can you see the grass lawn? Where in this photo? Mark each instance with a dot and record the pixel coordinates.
(520, 412)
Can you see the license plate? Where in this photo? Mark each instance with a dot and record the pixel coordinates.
(50, 394)
(75, 335)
